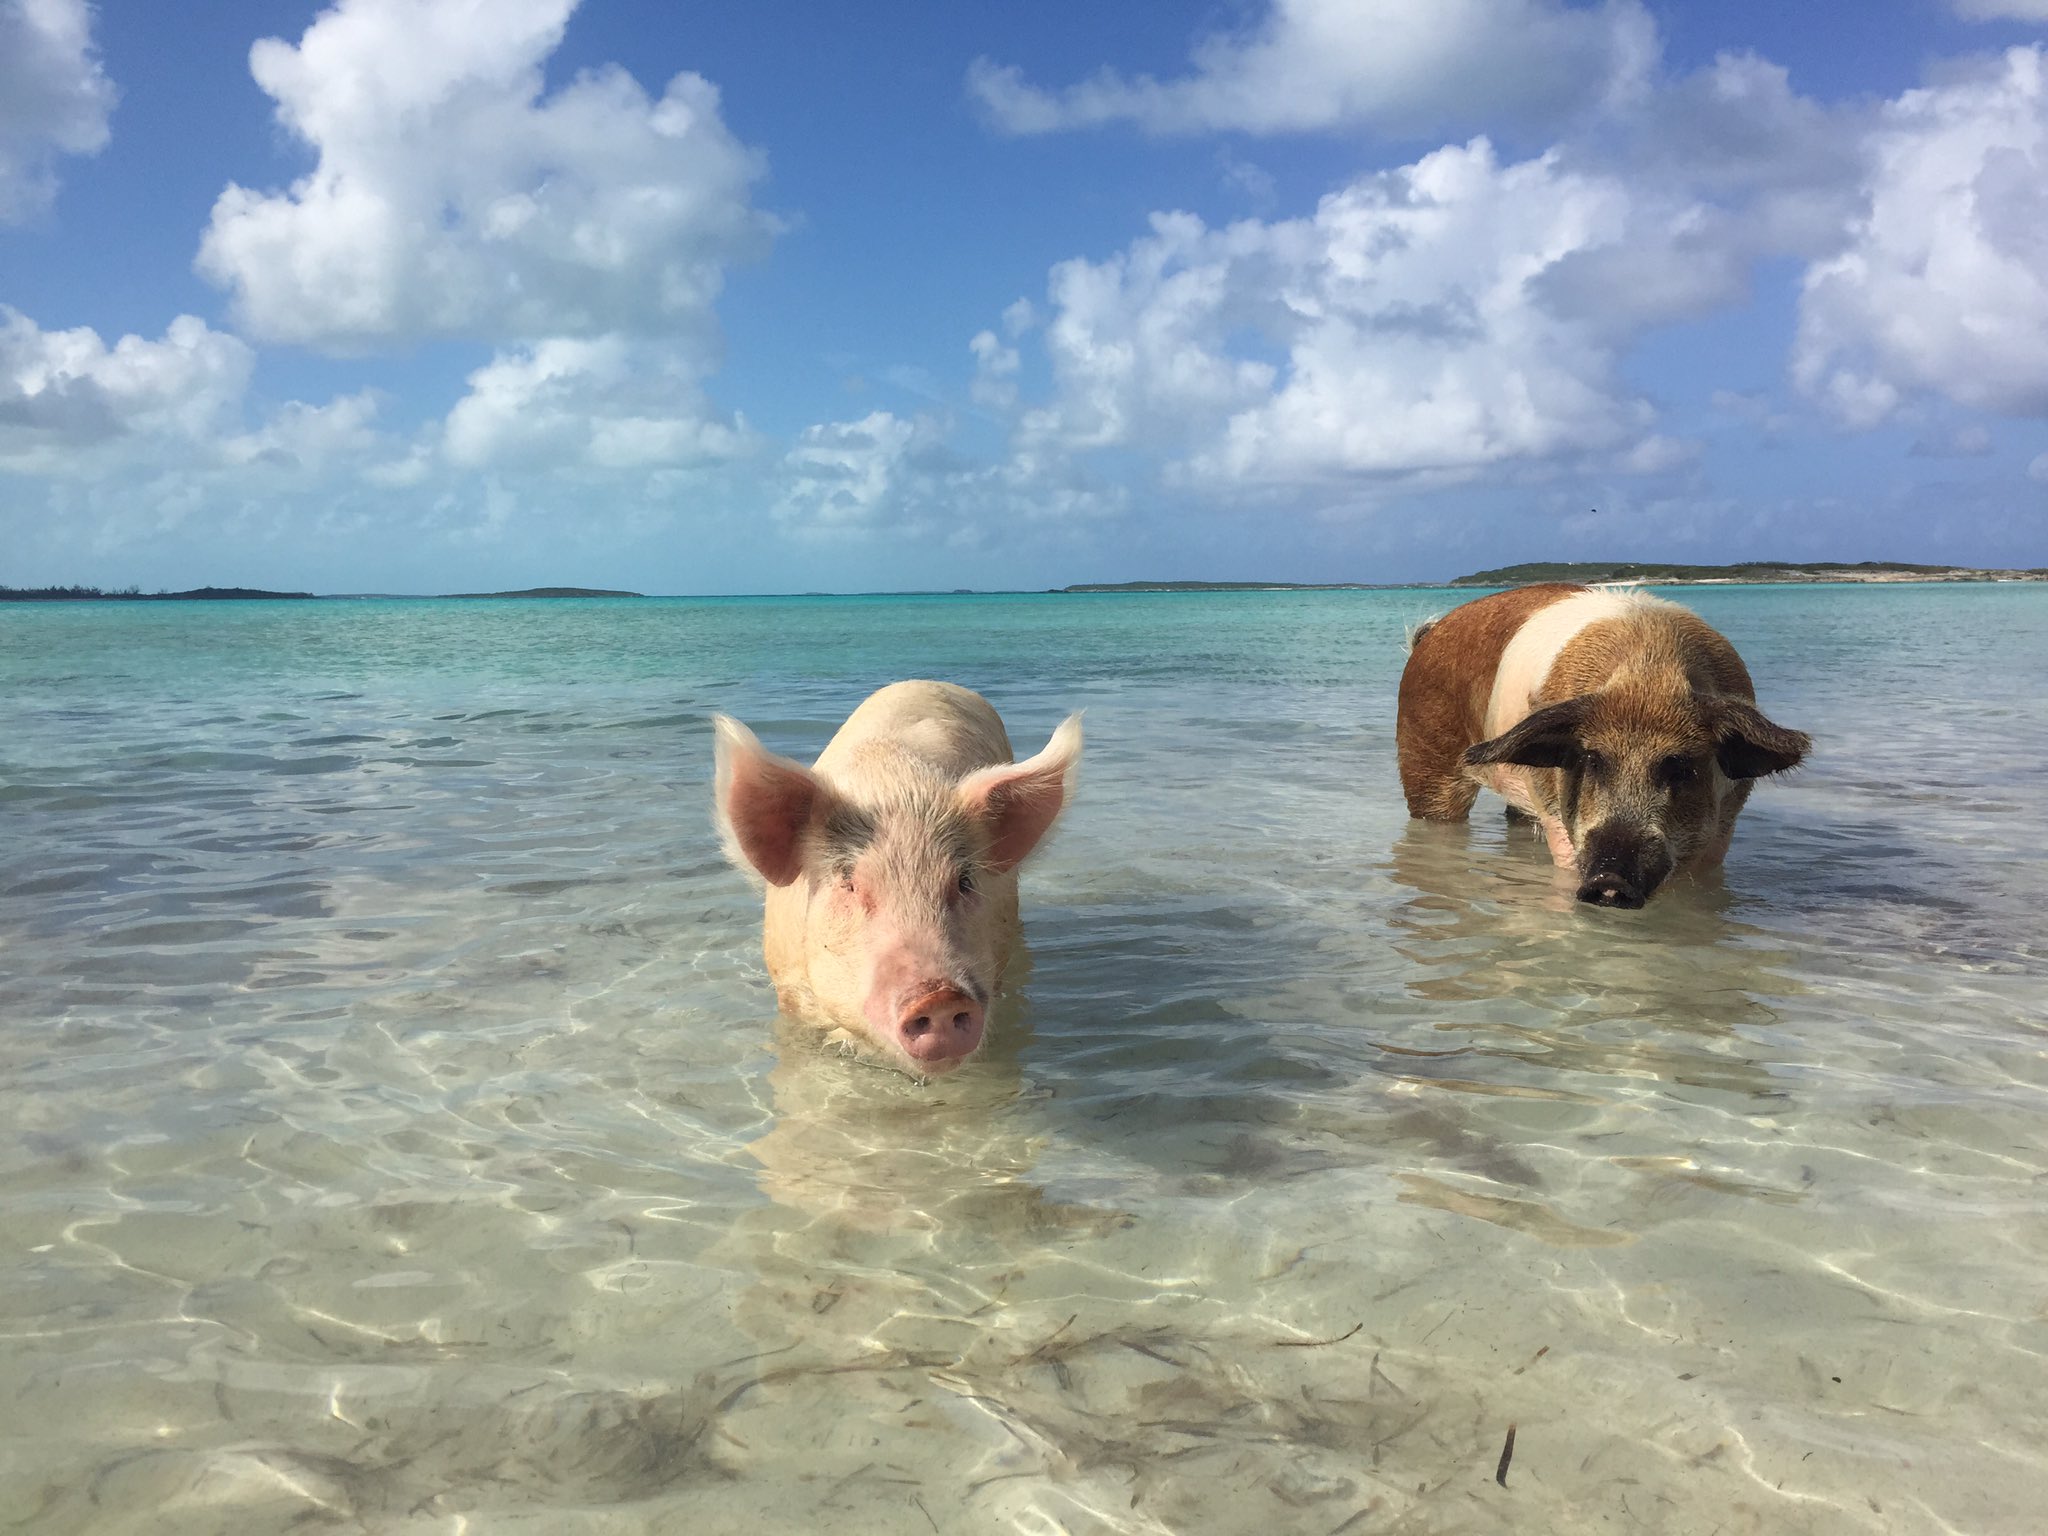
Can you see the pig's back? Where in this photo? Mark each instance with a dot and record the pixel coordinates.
(906, 726)
(1454, 660)
(1654, 635)
(1526, 663)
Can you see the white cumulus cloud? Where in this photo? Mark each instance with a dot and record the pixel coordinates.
(452, 198)
(1394, 66)
(846, 475)
(884, 474)
(1736, 137)
(1942, 286)
(1426, 320)
(310, 437)
(64, 392)
(54, 98)
(603, 402)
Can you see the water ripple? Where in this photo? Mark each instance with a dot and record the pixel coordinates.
(395, 1130)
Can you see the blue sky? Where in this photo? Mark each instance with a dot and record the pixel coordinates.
(430, 295)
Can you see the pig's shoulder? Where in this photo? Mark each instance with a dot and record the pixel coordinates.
(1477, 632)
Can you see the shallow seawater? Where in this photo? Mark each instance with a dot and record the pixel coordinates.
(396, 1133)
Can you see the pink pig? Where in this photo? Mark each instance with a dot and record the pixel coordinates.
(892, 864)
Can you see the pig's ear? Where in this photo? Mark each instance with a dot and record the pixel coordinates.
(1547, 739)
(1020, 801)
(764, 804)
(1749, 746)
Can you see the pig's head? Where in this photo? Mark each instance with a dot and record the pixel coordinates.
(1643, 770)
(909, 899)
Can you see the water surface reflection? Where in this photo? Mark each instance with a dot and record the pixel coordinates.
(394, 1134)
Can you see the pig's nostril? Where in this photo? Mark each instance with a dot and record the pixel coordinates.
(940, 1029)
(1610, 891)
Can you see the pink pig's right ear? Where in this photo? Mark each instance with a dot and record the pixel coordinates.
(764, 803)
(1021, 801)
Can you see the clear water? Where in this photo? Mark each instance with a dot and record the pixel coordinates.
(396, 1135)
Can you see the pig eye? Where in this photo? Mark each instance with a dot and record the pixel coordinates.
(1592, 763)
(1678, 771)
(965, 884)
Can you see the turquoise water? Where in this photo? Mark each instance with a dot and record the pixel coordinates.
(396, 1133)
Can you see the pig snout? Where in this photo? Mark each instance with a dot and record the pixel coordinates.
(926, 1002)
(1610, 888)
(939, 1028)
(1620, 867)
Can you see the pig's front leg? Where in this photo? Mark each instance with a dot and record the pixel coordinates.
(1562, 854)
(1716, 847)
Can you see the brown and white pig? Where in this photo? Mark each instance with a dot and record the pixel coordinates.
(891, 864)
(1623, 724)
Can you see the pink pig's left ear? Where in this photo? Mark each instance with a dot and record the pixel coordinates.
(765, 805)
(1021, 801)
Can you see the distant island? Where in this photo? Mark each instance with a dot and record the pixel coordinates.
(136, 595)
(1656, 574)
(549, 592)
(1222, 586)
(1653, 573)
(217, 594)
(1650, 573)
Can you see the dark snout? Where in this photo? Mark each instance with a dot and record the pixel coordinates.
(1611, 888)
(1621, 867)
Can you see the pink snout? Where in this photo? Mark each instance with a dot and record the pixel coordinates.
(941, 1029)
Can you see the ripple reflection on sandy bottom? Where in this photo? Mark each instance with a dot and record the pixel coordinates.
(557, 1285)
(392, 1138)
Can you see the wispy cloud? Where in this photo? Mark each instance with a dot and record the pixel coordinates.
(1399, 67)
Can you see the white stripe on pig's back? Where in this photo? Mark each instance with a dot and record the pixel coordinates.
(1537, 644)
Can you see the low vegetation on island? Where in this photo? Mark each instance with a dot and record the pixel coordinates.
(550, 592)
(1650, 572)
(135, 595)
(216, 594)
(1665, 573)
(1216, 586)
(1646, 572)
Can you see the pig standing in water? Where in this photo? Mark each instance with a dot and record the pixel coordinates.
(1624, 724)
(892, 864)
